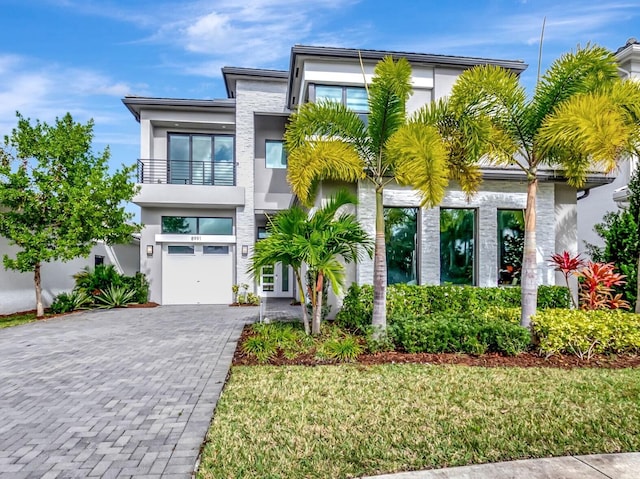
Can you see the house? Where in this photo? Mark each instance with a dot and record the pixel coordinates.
(211, 170)
(594, 204)
(17, 290)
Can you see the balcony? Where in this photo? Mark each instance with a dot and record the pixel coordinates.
(188, 184)
(208, 173)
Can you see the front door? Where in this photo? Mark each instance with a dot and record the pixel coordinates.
(277, 281)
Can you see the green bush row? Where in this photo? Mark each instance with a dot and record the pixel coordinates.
(412, 300)
(585, 333)
(447, 332)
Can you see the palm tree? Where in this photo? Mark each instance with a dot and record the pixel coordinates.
(327, 141)
(322, 242)
(573, 121)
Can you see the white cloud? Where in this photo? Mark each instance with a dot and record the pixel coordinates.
(46, 91)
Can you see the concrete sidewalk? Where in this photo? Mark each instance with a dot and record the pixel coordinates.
(597, 466)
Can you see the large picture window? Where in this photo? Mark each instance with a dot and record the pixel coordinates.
(510, 246)
(197, 226)
(457, 245)
(201, 159)
(401, 239)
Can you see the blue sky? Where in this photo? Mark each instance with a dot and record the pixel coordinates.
(83, 56)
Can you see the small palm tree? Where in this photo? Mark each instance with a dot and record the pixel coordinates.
(322, 242)
(579, 116)
(327, 141)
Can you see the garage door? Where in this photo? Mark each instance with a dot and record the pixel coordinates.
(197, 274)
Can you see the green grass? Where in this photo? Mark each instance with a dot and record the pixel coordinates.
(16, 319)
(350, 420)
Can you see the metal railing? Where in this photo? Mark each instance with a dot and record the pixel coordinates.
(216, 173)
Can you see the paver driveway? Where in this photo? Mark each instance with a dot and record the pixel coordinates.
(119, 393)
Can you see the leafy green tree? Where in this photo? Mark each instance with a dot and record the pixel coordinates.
(328, 141)
(322, 242)
(57, 198)
(581, 115)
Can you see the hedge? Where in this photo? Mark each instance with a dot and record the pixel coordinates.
(585, 333)
(419, 301)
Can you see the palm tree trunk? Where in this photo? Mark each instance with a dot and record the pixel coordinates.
(303, 302)
(38, 284)
(317, 309)
(379, 320)
(529, 265)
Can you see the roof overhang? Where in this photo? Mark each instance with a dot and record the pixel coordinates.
(232, 74)
(135, 104)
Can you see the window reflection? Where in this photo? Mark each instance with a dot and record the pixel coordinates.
(511, 246)
(457, 245)
(400, 238)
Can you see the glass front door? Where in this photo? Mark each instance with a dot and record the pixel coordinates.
(276, 281)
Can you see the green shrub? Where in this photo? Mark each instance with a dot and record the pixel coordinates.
(261, 347)
(139, 284)
(412, 300)
(100, 278)
(457, 333)
(344, 349)
(115, 297)
(585, 333)
(67, 302)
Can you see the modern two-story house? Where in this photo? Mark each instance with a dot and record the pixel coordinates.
(212, 170)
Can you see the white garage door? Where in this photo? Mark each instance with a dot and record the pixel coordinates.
(197, 274)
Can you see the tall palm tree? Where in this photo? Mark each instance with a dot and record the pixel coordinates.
(545, 131)
(327, 141)
(322, 242)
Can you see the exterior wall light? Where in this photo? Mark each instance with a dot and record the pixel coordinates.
(245, 250)
(149, 250)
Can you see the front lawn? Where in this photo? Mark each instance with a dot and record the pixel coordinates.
(353, 420)
(16, 319)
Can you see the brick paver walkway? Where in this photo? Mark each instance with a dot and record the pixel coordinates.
(119, 393)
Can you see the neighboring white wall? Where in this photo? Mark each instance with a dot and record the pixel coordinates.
(17, 291)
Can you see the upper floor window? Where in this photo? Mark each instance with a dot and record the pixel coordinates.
(196, 159)
(275, 155)
(354, 98)
(197, 226)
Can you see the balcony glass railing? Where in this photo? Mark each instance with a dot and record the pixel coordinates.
(215, 173)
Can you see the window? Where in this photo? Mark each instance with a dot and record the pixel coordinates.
(510, 246)
(457, 245)
(400, 238)
(354, 98)
(201, 159)
(262, 232)
(215, 249)
(199, 226)
(275, 156)
(98, 260)
(181, 249)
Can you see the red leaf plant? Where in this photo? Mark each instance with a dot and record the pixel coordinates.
(596, 287)
(567, 265)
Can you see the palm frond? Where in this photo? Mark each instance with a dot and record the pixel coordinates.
(585, 131)
(322, 160)
(421, 161)
(587, 69)
(388, 95)
(488, 92)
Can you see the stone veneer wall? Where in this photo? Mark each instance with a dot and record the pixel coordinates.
(493, 195)
(251, 97)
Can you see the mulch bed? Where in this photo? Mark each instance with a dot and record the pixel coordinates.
(524, 360)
